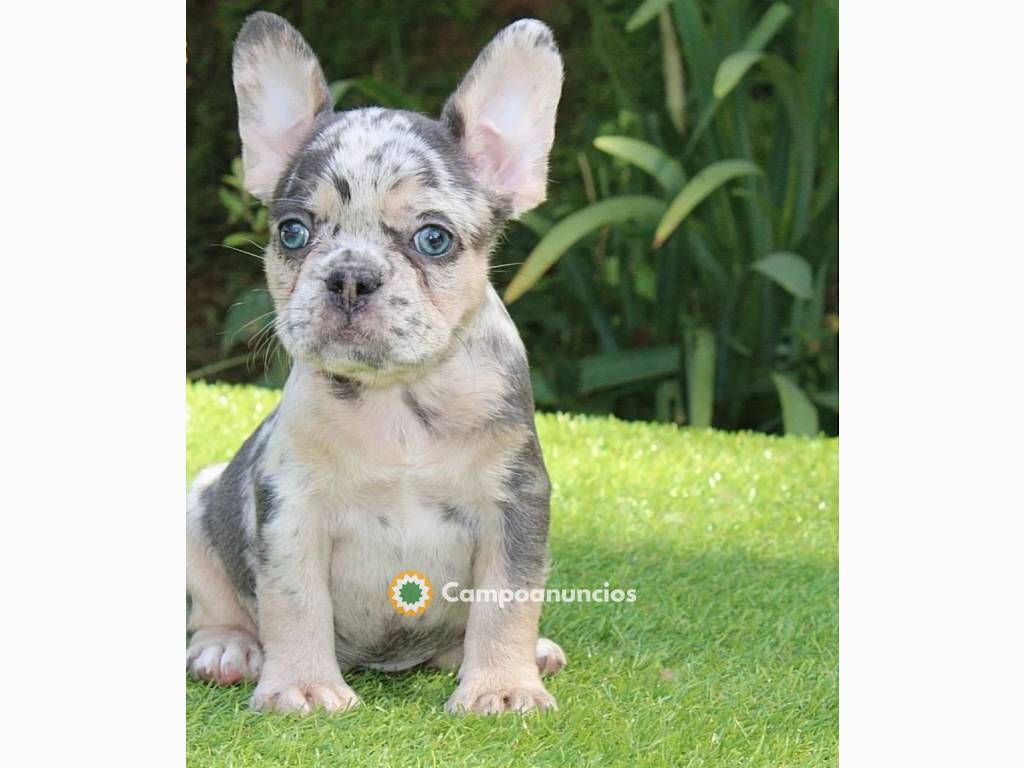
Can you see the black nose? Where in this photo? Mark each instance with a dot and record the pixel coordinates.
(350, 285)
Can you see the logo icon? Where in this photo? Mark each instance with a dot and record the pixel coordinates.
(410, 592)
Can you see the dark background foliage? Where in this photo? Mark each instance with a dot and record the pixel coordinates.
(615, 325)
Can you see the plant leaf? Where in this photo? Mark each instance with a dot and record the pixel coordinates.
(573, 228)
(383, 94)
(648, 10)
(672, 72)
(698, 188)
(246, 317)
(614, 369)
(799, 416)
(732, 69)
(700, 376)
(790, 272)
(243, 239)
(536, 223)
(767, 26)
(646, 157)
(828, 400)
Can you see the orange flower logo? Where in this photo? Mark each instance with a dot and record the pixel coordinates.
(410, 592)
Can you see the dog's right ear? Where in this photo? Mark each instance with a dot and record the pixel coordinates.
(280, 90)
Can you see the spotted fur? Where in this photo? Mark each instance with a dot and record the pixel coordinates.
(405, 435)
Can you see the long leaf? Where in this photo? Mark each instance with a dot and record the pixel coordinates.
(672, 72)
(646, 157)
(383, 94)
(648, 10)
(700, 376)
(696, 190)
(799, 416)
(574, 227)
(732, 69)
(767, 26)
(607, 371)
(790, 272)
(697, 46)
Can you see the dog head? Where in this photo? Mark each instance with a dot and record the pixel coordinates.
(382, 221)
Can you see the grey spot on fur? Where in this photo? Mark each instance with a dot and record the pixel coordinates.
(344, 191)
(226, 503)
(525, 517)
(544, 39)
(344, 388)
(267, 504)
(455, 515)
(426, 416)
(398, 301)
(436, 135)
(452, 117)
(266, 500)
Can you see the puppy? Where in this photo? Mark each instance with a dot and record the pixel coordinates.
(405, 437)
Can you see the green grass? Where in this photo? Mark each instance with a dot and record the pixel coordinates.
(729, 656)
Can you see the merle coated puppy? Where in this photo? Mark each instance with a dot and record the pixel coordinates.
(405, 437)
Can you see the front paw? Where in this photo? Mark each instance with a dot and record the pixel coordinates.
(492, 691)
(302, 698)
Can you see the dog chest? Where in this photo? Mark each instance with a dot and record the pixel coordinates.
(373, 545)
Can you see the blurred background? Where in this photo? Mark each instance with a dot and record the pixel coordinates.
(684, 268)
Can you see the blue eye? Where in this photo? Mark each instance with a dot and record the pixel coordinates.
(294, 234)
(432, 241)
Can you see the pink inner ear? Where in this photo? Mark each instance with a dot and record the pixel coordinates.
(497, 161)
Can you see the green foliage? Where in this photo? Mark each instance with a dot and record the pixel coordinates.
(729, 656)
(748, 190)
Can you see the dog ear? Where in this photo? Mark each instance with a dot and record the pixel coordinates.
(504, 112)
(280, 90)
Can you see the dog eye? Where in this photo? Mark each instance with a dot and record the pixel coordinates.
(294, 234)
(432, 241)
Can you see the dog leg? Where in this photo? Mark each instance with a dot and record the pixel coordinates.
(223, 648)
(499, 669)
(549, 656)
(300, 672)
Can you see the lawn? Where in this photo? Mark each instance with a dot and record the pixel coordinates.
(728, 657)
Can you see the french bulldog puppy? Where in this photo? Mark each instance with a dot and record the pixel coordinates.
(405, 437)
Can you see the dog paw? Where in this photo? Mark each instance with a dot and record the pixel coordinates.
(491, 692)
(224, 655)
(303, 698)
(550, 657)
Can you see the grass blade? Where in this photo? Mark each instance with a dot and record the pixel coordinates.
(648, 10)
(790, 272)
(799, 416)
(696, 190)
(646, 157)
(700, 376)
(611, 370)
(672, 69)
(574, 227)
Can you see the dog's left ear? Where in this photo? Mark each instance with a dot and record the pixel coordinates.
(504, 112)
